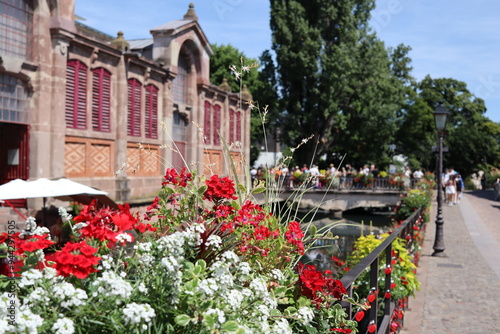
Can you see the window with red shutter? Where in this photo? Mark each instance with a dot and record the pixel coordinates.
(232, 122)
(238, 126)
(76, 95)
(101, 100)
(216, 125)
(134, 108)
(151, 129)
(207, 126)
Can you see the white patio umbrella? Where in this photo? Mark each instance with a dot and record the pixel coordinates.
(62, 188)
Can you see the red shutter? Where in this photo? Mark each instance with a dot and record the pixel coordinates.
(101, 100)
(76, 95)
(231, 125)
(134, 108)
(207, 126)
(217, 132)
(151, 112)
(238, 126)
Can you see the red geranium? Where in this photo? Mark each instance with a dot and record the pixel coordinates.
(77, 259)
(30, 243)
(312, 281)
(219, 188)
(172, 177)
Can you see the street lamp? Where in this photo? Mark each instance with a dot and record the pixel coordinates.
(440, 117)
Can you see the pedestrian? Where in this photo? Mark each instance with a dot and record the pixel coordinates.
(460, 187)
(496, 188)
(451, 190)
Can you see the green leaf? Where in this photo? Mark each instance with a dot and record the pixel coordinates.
(230, 326)
(313, 229)
(235, 205)
(202, 189)
(258, 190)
(242, 188)
(182, 320)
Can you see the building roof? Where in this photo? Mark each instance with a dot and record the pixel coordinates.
(172, 25)
(143, 43)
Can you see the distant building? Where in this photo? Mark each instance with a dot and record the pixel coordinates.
(79, 103)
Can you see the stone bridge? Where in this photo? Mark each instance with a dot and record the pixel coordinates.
(335, 200)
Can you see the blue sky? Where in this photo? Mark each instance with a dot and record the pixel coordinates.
(456, 39)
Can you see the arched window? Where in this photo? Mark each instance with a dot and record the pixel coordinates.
(179, 89)
(217, 125)
(207, 124)
(76, 95)
(134, 108)
(13, 100)
(101, 100)
(151, 129)
(16, 28)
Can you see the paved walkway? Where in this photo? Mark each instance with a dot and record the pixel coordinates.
(460, 293)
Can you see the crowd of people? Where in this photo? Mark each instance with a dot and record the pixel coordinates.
(453, 186)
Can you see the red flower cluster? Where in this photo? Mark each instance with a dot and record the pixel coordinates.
(315, 286)
(30, 243)
(172, 177)
(341, 330)
(77, 259)
(294, 236)
(3, 237)
(105, 224)
(219, 188)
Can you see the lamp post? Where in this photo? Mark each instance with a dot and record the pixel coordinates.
(440, 117)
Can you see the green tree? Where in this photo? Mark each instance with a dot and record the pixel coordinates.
(261, 83)
(472, 138)
(336, 80)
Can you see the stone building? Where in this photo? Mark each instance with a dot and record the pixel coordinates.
(107, 112)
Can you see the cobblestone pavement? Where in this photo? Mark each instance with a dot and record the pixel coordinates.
(460, 293)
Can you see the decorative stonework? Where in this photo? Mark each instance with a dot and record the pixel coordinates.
(143, 161)
(86, 157)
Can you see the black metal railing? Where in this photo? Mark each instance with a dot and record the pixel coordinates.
(383, 321)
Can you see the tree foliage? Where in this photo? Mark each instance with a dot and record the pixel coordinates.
(261, 83)
(336, 79)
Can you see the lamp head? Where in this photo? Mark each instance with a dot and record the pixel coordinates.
(440, 117)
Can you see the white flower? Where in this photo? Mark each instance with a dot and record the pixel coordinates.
(30, 277)
(63, 326)
(234, 299)
(231, 256)
(49, 273)
(214, 240)
(39, 295)
(171, 264)
(69, 295)
(259, 287)
(305, 314)
(220, 317)
(41, 230)
(112, 285)
(27, 321)
(143, 247)
(208, 287)
(124, 237)
(277, 275)
(64, 214)
(281, 326)
(142, 288)
(135, 313)
(79, 226)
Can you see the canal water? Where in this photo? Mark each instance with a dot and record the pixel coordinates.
(345, 230)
